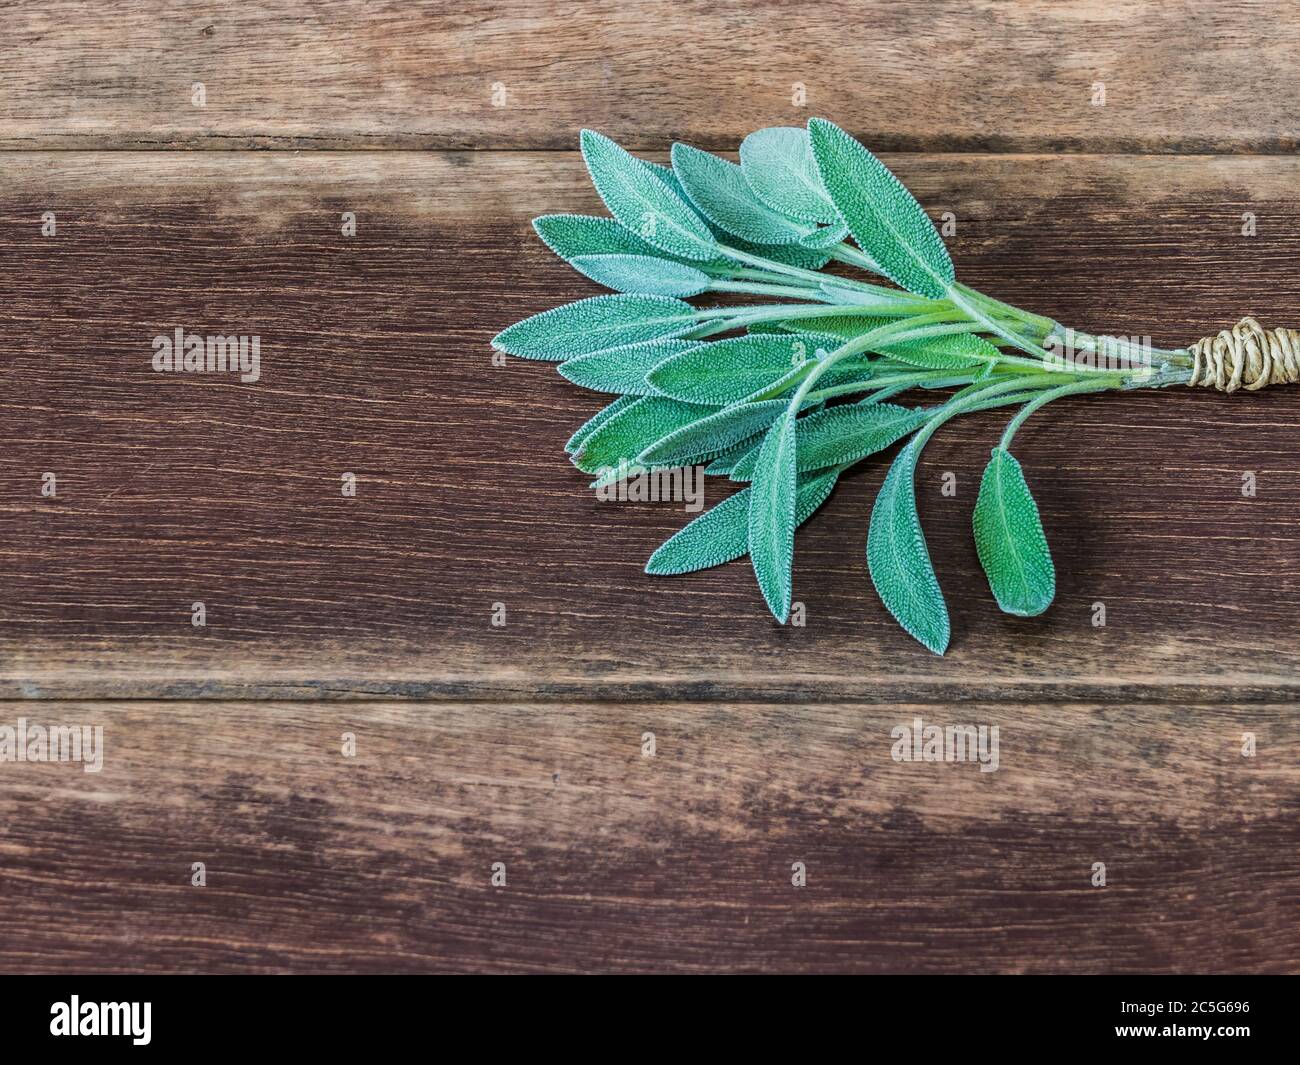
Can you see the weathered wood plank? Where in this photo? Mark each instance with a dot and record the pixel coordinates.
(1195, 75)
(678, 862)
(179, 488)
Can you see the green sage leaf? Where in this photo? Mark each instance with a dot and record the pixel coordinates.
(778, 165)
(840, 436)
(632, 430)
(789, 254)
(1010, 540)
(954, 351)
(826, 237)
(711, 434)
(721, 533)
(840, 374)
(596, 421)
(623, 369)
(642, 201)
(613, 474)
(596, 323)
(727, 371)
(723, 464)
(572, 235)
(884, 218)
(718, 189)
(718, 535)
(899, 560)
(772, 516)
(837, 327)
(782, 383)
(843, 435)
(670, 179)
(743, 468)
(642, 274)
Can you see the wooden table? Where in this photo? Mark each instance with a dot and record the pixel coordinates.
(444, 128)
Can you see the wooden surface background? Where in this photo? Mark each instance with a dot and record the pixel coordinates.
(522, 744)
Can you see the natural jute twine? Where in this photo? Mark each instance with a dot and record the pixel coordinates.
(1246, 356)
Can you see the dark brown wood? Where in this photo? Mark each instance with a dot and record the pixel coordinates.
(317, 862)
(522, 744)
(1192, 75)
(178, 488)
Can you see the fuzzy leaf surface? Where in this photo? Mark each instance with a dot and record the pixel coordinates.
(789, 254)
(827, 237)
(836, 327)
(592, 324)
(642, 201)
(841, 435)
(642, 274)
(772, 516)
(954, 351)
(596, 421)
(719, 191)
(778, 164)
(725, 462)
(571, 235)
(899, 559)
(727, 371)
(632, 430)
(623, 369)
(884, 218)
(721, 533)
(1010, 540)
(710, 435)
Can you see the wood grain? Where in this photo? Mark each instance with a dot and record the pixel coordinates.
(179, 488)
(1193, 75)
(523, 744)
(317, 862)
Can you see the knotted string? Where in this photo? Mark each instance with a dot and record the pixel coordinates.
(1246, 356)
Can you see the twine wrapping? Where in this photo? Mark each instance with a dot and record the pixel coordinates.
(1246, 356)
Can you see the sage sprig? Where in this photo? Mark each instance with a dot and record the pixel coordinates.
(784, 394)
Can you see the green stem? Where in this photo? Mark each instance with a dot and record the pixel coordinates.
(978, 314)
(948, 328)
(774, 313)
(995, 395)
(744, 273)
(902, 381)
(758, 289)
(709, 329)
(771, 265)
(847, 253)
(814, 276)
(1005, 394)
(1043, 326)
(868, 340)
(888, 306)
(1071, 389)
(1162, 378)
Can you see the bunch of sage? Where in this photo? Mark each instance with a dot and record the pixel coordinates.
(785, 396)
